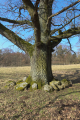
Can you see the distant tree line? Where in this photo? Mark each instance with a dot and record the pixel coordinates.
(61, 56)
(10, 58)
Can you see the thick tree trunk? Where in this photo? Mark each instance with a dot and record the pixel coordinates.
(41, 64)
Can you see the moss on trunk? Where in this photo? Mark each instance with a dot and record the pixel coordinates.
(41, 64)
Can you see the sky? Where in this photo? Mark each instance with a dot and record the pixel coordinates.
(5, 43)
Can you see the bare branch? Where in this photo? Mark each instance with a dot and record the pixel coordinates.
(15, 39)
(55, 30)
(66, 34)
(36, 4)
(70, 21)
(75, 9)
(29, 6)
(20, 8)
(55, 40)
(70, 45)
(34, 17)
(64, 9)
(16, 22)
(56, 25)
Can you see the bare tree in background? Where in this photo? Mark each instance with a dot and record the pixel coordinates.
(10, 58)
(51, 21)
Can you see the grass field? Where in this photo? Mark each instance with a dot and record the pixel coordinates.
(40, 105)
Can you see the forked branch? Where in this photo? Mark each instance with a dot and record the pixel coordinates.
(16, 22)
(64, 9)
(70, 45)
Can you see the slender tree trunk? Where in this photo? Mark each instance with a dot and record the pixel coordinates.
(41, 64)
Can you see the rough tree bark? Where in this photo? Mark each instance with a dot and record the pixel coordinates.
(41, 64)
(41, 58)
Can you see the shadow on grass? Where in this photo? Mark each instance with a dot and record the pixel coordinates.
(15, 117)
(75, 77)
(52, 102)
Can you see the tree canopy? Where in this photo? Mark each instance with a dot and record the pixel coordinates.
(20, 17)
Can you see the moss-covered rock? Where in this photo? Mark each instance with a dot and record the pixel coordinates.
(24, 79)
(10, 83)
(61, 87)
(29, 79)
(21, 86)
(48, 88)
(34, 86)
(19, 81)
(39, 84)
(64, 80)
(55, 87)
(55, 82)
(66, 83)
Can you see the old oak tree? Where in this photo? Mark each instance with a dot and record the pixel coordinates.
(51, 21)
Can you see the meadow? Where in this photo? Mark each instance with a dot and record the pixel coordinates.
(40, 105)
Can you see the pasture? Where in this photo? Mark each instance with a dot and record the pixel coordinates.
(39, 105)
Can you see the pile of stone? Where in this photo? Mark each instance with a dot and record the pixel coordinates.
(53, 85)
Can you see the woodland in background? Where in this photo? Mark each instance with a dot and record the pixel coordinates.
(10, 58)
(61, 56)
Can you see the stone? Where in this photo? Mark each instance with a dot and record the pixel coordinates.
(54, 86)
(21, 86)
(19, 81)
(24, 79)
(10, 83)
(28, 83)
(66, 83)
(34, 86)
(61, 87)
(48, 88)
(29, 79)
(55, 82)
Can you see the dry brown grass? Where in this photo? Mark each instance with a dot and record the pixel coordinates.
(66, 67)
(40, 105)
(28, 68)
(15, 69)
